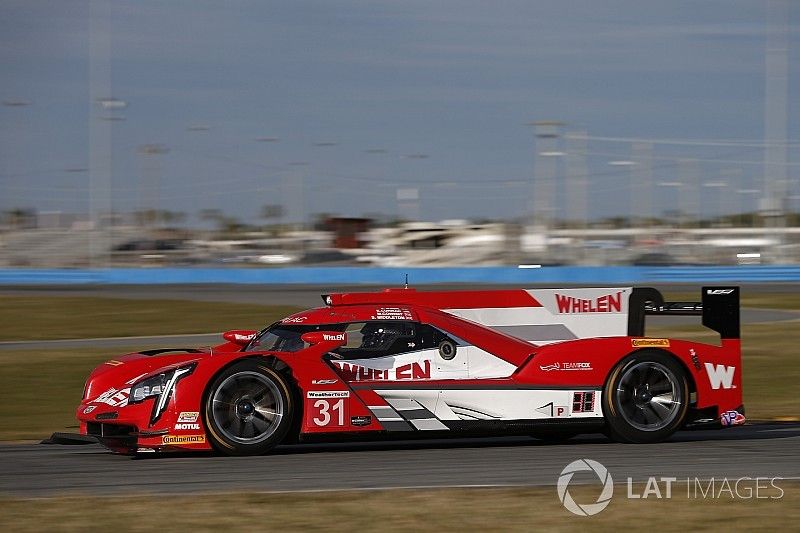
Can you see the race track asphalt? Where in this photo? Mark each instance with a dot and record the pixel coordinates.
(759, 450)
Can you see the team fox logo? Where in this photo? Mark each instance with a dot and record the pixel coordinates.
(720, 375)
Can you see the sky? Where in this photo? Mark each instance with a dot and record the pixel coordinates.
(368, 97)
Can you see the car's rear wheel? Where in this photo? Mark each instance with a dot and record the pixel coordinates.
(248, 409)
(646, 398)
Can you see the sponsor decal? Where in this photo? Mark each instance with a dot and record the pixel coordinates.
(329, 337)
(183, 439)
(114, 397)
(327, 410)
(609, 303)
(114, 362)
(360, 420)
(240, 338)
(294, 320)
(719, 292)
(650, 343)
(555, 411)
(188, 416)
(695, 359)
(410, 371)
(324, 381)
(328, 394)
(583, 402)
(89, 409)
(720, 376)
(567, 366)
(732, 418)
(184, 427)
(392, 313)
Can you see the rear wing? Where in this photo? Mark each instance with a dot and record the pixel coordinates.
(719, 307)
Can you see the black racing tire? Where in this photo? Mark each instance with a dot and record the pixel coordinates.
(249, 409)
(646, 398)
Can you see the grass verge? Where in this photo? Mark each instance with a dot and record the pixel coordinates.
(68, 317)
(48, 383)
(518, 509)
(42, 389)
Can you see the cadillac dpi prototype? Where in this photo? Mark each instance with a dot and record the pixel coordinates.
(550, 363)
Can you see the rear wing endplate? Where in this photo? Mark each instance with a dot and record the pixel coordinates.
(719, 307)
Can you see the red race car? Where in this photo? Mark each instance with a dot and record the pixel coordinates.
(550, 363)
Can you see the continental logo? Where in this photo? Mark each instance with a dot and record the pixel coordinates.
(183, 439)
(650, 343)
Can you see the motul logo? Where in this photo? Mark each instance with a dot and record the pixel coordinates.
(720, 375)
(610, 303)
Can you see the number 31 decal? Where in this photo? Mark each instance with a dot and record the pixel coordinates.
(328, 412)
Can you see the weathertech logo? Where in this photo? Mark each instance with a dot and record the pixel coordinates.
(650, 343)
(183, 439)
(610, 303)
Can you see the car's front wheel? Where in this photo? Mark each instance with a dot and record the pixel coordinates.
(248, 409)
(646, 398)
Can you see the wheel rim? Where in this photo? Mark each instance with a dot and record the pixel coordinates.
(247, 407)
(649, 396)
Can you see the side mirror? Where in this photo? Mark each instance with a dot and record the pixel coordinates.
(240, 337)
(332, 339)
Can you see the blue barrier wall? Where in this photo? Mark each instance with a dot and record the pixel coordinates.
(396, 276)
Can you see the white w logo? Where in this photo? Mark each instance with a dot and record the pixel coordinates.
(720, 375)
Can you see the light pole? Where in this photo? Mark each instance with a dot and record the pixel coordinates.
(631, 185)
(151, 181)
(408, 197)
(776, 112)
(716, 188)
(689, 176)
(548, 136)
(294, 192)
(742, 194)
(100, 159)
(676, 185)
(577, 180)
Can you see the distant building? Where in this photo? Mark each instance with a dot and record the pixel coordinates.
(347, 231)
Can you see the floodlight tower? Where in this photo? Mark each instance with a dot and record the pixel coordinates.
(548, 138)
(773, 205)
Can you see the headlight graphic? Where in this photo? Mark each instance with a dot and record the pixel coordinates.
(160, 387)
